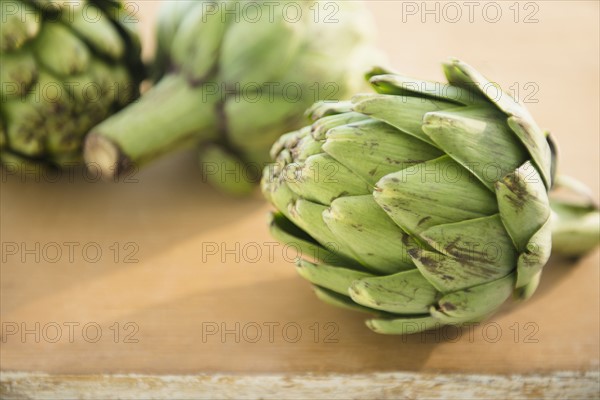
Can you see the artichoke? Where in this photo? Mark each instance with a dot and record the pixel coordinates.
(64, 67)
(233, 76)
(425, 203)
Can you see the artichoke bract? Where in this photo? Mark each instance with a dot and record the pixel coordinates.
(425, 203)
(233, 76)
(64, 67)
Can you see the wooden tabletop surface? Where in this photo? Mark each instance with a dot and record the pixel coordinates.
(160, 274)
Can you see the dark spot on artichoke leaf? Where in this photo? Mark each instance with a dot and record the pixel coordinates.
(469, 259)
(428, 262)
(451, 247)
(525, 133)
(358, 227)
(406, 241)
(370, 254)
(449, 306)
(413, 252)
(390, 161)
(373, 171)
(423, 220)
(395, 180)
(519, 195)
(403, 208)
(447, 277)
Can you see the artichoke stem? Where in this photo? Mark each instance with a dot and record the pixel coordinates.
(575, 228)
(171, 115)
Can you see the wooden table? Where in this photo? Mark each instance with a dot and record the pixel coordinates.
(160, 287)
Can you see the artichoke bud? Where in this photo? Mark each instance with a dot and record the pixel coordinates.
(65, 66)
(249, 69)
(437, 200)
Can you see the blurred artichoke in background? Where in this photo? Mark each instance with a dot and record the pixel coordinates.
(426, 204)
(233, 76)
(64, 67)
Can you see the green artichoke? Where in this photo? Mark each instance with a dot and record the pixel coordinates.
(233, 76)
(425, 204)
(64, 67)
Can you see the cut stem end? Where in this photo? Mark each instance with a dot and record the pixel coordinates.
(102, 154)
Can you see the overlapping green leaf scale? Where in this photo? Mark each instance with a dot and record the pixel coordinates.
(63, 68)
(427, 201)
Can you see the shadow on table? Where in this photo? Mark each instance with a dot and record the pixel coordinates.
(270, 327)
(139, 216)
(556, 270)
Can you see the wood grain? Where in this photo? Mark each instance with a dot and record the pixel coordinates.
(398, 385)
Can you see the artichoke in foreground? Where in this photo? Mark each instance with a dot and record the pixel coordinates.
(426, 204)
(233, 76)
(64, 67)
